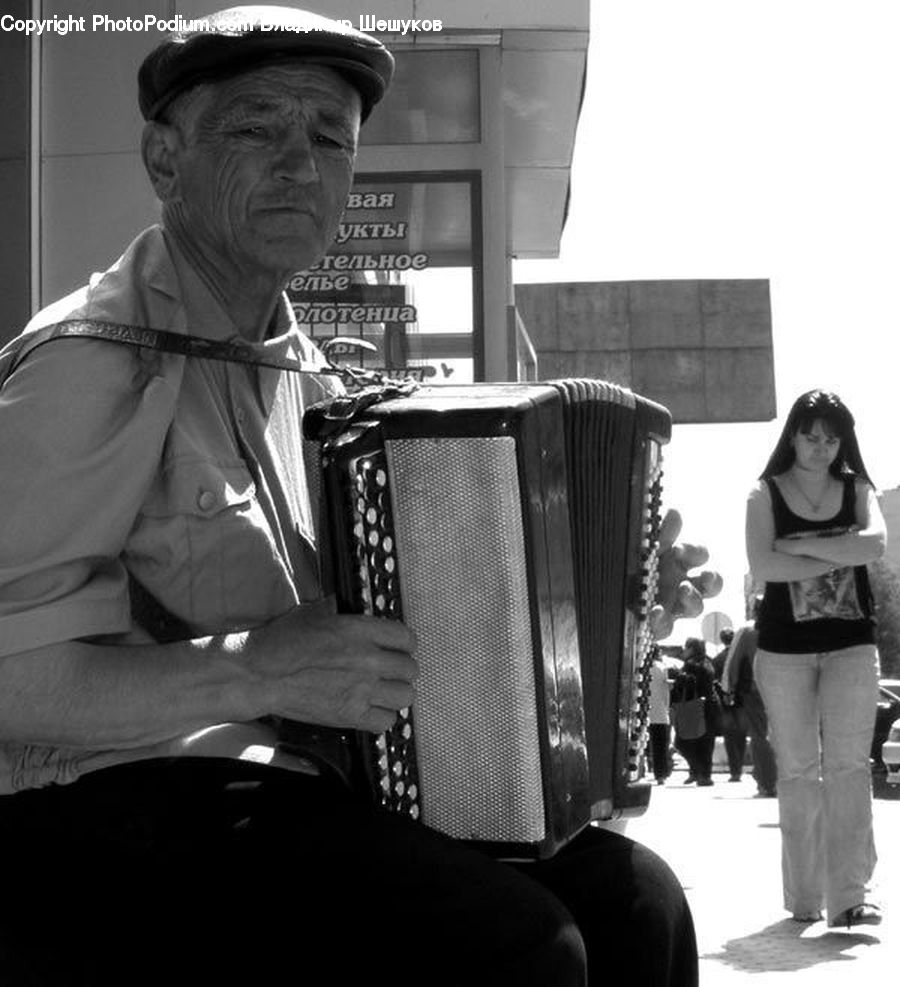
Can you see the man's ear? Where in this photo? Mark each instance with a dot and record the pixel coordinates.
(159, 143)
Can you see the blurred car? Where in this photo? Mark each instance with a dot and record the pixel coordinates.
(890, 753)
(885, 746)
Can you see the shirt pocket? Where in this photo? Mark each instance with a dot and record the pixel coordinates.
(205, 549)
(203, 488)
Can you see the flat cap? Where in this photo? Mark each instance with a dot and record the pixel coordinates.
(238, 39)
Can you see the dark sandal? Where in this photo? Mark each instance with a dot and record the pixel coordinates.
(865, 914)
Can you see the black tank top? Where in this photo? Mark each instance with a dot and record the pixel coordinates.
(824, 613)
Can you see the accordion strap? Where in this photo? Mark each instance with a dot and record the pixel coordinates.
(367, 387)
(233, 351)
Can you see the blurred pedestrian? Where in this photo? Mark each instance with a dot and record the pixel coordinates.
(734, 729)
(660, 727)
(726, 636)
(695, 682)
(813, 523)
(741, 697)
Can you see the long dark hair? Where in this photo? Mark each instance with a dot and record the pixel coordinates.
(828, 408)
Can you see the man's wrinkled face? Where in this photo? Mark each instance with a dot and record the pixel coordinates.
(265, 163)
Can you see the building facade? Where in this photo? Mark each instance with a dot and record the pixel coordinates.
(465, 165)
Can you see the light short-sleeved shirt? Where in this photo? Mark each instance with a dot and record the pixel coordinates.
(189, 474)
(659, 693)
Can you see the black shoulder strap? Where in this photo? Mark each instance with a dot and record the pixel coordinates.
(233, 351)
(850, 491)
(781, 513)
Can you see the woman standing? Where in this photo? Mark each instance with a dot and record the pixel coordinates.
(813, 522)
(696, 680)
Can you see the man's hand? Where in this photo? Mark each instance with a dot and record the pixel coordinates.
(677, 593)
(339, 670)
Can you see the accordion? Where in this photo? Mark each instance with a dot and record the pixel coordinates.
(514, 528)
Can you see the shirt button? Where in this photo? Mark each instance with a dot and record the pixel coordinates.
(207, 500)
(239, 414)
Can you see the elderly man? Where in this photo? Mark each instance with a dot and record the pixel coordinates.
(160, 604)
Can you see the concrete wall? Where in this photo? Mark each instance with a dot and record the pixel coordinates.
(701, 348)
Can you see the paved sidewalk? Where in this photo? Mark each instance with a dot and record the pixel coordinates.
(725, 847)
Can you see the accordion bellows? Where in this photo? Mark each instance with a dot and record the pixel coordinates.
(513, 527)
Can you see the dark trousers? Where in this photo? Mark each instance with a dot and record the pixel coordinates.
(660, 760)
(698, 753)
(765, 772)
(750, 720)
(735, 749)
(200, 871)
(734, 736)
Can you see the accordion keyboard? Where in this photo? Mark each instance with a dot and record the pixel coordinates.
(393, 759)
(648, 576)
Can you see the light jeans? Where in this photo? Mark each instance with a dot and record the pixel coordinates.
(821, 710)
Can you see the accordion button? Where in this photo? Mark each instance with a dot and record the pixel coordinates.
(413, 792)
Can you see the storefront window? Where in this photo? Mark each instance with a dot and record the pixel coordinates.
(404, 276)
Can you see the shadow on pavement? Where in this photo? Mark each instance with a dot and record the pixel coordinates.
(784, 947)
